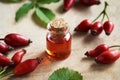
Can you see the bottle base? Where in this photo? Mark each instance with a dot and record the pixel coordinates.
(58, 56)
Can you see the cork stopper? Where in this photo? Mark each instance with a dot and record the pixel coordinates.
(58, 25)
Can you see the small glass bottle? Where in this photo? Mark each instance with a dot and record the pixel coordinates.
(58, 40)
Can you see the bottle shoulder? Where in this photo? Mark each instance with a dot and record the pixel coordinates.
(59, 39)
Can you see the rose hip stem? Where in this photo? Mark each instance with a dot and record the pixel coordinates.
(114, 46)
(1, 38)
(104, 13)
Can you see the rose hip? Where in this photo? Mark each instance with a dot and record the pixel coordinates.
(90, 2)
(108, 27)
(4, 48)
(16, 40)
(97, 51)
(4, 61)
(17, 57)
(26, 66)
(96, 28)
(84, 26)
(68, 4)
(90, 53)
(108, 57)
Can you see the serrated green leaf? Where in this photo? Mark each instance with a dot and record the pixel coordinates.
(23, 10)
(44, 14)
(47, 1)
(65, 74)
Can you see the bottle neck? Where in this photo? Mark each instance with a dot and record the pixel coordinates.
(58, 32)
(58, 27)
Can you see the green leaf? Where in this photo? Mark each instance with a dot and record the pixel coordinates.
(15, 0)
(65, 74)
(44, 14)
(23, 10)
(47, 1)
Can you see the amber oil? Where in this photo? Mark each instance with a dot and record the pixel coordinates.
(58, 40)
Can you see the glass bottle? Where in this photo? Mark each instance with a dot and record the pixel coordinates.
(58, 40)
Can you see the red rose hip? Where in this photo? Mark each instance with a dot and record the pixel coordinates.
(4, 61)
(4, 48)
(108, 57)
(68, 4)
(90, 2)
(108, 27)
(84, 26)
(16, 40)
(26, 67)
(96, 28)
(90, 53)
(97, 51)
(17, 57)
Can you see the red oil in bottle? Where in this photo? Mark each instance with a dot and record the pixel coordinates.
(58, 43)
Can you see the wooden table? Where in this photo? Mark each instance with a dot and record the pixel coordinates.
(80, 42)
